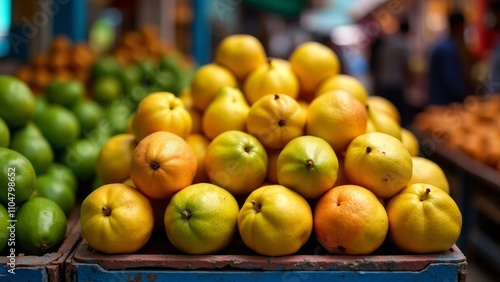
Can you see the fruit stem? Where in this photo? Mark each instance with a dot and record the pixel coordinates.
(186, 214)
(269, 62)
(45, 247)
(281, 123)
(276, 96)
(154, 165)
(368, 149)
(256, 206)
(106, 211)
(309, 164)
(425, 195)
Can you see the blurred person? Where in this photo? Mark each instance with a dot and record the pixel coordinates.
(449, 67)
(389, 67)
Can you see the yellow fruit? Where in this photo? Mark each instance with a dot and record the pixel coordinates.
(308, 165)
(201, 219)
(410, 142)
(227, 111)
(206, 83)
(236, 161)
(275, 221)
(303, 104)
(341, 175)
(378, 162)
(344, 82)
(313, 62)
(381, 104)
(275, 119)
(337, 117)
(270, 78)
(199, 144)
(240, 53)
(196, 120)
(272, 163)
(349, 219)
(161, 111)
(380, 122)
(427, 171)
(113, 162)
(116, 218)
(129, 129)
(423, 219)
(163, 164)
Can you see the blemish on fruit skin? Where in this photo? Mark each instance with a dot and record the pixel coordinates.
(368, 149)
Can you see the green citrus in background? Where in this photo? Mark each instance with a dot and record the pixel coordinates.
(50, 187)
(4, 134)
(80, 156)
(65, 92)
(40, 105)
(30, 129)
(15, 171)
(4, 224)
(106, 89)
(36, 149)
(105, 65)
(117, 115)
(41, 226)
(17, 102)
(59, 125)
(88, 113)
(63, 174)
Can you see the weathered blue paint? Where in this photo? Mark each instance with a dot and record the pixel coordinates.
(34, 274)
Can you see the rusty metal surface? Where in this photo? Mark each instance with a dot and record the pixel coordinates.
(159, 254)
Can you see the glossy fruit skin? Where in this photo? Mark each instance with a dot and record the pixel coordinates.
(128, 225)
(281, 225)
(113, 161)
(420, 224)
(212, 221)
(41, 226)
(81, 156)
(346, 83)
(161, 111)
(4, 134)
(162, 164)
(36, 149)
(63, 174)
(349, 219)
(47, 186)
(57, 121)
(17, 102)
(18, 174)
(427, 171)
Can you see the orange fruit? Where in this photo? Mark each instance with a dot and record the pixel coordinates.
(346, 83)
(207, 82)
(163, 163)
(308, 165)
(275, 119)
(240, 53)
(427, 171)
(161, 111)
(349, 219)
(201, 219)
(275, 221)
(270, 78)
(116, 218)
(272, 165)
(313, 62)
(378, 162)
(236, 161)
(199, 144)
(113, 162)
(337, 117)
(423, 219)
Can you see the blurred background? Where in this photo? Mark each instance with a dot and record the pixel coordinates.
(399, 49)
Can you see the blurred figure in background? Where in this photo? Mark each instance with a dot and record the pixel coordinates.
(493, 86)
(389, 67)
(450, 63)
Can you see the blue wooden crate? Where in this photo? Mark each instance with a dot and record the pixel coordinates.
(48, 267)
(158, 261)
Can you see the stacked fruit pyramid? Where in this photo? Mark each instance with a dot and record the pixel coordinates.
(472, 127)
(273, 151)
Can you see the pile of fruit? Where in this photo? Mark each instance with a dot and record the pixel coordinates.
(63, 60)
(472, 127)
(271, 151)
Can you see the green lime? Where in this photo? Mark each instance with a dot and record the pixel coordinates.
(30, 129)
(17, 177)
(41, 226)
(40, 105)
(36, 149)
(4, 228)
(117, 115)
(63, 174)
(105, 65)
(81, 156)
(17, 102)
(4, 134)
(89, 114)
(65, 92)
(106, 89)
(60, 192)
(59, 125)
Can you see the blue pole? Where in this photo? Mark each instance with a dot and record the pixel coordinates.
(201, 32)
(70, 19)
